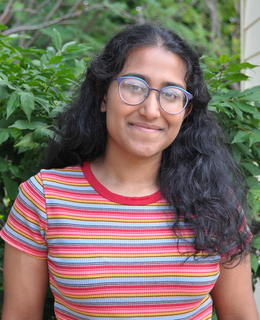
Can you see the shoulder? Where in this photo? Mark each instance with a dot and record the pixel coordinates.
(66, 175)
(62, 172)
(54, 178)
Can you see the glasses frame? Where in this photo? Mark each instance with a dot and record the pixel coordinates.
(187, 94)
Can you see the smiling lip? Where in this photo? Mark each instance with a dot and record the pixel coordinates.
(145, 127)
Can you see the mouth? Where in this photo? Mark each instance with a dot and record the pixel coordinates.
(146, 127)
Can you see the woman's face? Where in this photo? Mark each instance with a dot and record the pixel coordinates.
(144, 130)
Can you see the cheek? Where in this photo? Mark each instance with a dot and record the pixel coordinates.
(176, 122)
(113, 118)
(175, 128)
(110, 98)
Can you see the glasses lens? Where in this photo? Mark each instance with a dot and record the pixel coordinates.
(173, 100)
(133, 91)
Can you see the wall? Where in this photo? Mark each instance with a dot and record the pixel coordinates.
(250, 39)
(250, 52)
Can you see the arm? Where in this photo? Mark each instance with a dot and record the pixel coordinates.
(25, 285)
(232, 295)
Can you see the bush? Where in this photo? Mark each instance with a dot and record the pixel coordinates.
(35, 84)
(238, 113)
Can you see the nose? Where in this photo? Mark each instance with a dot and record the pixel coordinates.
(150, 108)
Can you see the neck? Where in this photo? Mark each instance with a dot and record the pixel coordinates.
(127, 175)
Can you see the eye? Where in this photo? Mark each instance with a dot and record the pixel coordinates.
(134, 86)
(171, 94)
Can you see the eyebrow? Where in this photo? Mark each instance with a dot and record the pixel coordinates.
(165, 84)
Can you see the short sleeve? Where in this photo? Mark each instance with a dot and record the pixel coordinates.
(26, 225)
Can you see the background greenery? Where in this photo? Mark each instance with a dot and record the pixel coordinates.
(46, 45)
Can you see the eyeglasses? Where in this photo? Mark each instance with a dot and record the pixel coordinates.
(133, 91)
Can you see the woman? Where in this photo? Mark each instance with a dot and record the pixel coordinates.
(142, 220)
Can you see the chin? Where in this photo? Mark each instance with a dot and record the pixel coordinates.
(146, 154)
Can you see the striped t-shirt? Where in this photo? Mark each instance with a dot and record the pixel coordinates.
(110, 256)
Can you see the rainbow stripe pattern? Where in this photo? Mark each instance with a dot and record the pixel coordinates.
(110, 256)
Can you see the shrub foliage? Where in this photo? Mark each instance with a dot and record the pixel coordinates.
(35, 84)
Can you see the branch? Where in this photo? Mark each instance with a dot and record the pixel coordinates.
(43, 4)
(53, 10)
(42, 25)
(31, 4)
(5, 16)
(49, 15)
(93, 20)
(77, 5)
(215, 25)
(77, 13)
(136, 19)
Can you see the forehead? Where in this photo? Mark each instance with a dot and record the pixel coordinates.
(157, 64)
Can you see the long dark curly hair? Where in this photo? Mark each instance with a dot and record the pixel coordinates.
(198, 177)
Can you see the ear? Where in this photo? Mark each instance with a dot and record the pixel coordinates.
(103, 106)
(188, 111)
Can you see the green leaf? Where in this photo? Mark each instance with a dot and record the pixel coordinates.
(68, 45)
(236, 153)
(223, 58)
(252, 182)
(254, 137)
(4, 135)
(245, 107)
(44, 132)
(254, 262)
(11, 187)
(251, 167)
(3, 94)
(4, 165)
(234, 67)
(252, 93)
(55, 60)
(26, 87)
(247, 65)
(3, 75)
(14, 170)
(7, 84)
(2, 27)
(256, 115)
(24, 125)
(256, 242)
(239, 113)
(56, 39)
(236, 77)
(27, 103)
(43, 103)
(12, 104)
(26, 141)
(241, 136)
